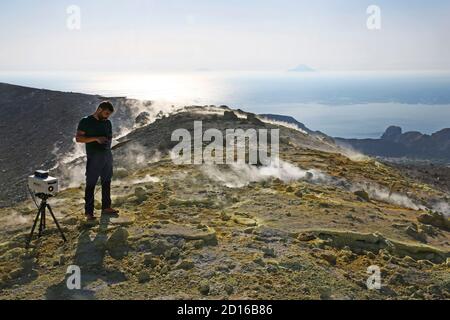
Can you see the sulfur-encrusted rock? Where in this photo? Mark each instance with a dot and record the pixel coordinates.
(164, 269)
(150, 260)
(292, 264)
(435, 219)
(359, 242)
(362, 195)
(397, 279)
(204, 288)
(269, 252)
(299, 193)
(143, 276)
(71, 221)
(289, 189)
(306, 236)
(244, 221)
(162, 206)
(228, 288)
(329, 257)
(117, 244)
(140, 194)
(415, 234)
(172, 254)
(225, 216)
(123, 219)
(188, 232)
(157, 246)
(185, 264)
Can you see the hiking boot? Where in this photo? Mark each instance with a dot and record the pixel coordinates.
(90, 216)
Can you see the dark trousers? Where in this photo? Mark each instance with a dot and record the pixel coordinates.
(99, 165)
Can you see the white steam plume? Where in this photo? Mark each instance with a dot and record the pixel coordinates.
(238, 175)
(283, 124)
(383, 194)
(14, 218)
(442, 207)
(148, 178)
(348, 151)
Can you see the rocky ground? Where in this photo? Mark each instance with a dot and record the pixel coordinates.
(437, 175)
(224, 232)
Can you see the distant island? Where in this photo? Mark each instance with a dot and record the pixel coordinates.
(394, 143)
(302, 68)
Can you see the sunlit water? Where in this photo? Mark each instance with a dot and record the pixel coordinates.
(359, 105)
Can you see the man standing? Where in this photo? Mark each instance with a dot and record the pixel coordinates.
(96, 132)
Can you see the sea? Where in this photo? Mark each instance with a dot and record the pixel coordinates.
(340, 104)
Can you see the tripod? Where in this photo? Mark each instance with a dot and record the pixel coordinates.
(41, 217)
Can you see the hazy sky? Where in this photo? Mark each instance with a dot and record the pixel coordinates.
(145, 35)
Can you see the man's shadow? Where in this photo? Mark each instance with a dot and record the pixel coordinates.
(89, 257)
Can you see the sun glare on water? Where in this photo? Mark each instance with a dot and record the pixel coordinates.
(170, 88)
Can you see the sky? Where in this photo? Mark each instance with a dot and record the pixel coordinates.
(174, 35)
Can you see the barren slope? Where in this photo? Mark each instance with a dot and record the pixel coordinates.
(236, 232)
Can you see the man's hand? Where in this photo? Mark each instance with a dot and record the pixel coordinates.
(81, 138)
(102, 140)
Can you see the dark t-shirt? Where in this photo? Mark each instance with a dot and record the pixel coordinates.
(96, 128)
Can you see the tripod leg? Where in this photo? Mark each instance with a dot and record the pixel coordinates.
(56, 222)
(44, 222)
(34, 225)
(41, 221)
